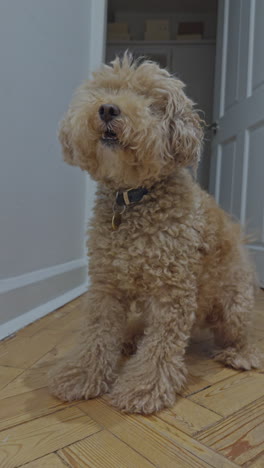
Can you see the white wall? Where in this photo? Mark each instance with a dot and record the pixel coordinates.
(44, 55)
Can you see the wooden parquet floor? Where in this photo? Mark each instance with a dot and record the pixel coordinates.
(218, 421)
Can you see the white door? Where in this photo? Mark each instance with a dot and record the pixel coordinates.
(237, 166)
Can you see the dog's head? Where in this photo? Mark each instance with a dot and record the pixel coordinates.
(131, 125)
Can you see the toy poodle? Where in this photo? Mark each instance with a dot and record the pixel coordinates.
(163, 255)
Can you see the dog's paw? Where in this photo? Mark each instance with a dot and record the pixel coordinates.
(69, 382)
(137, 397)
(246, 358)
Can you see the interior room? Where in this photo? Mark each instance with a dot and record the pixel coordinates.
(132, 287)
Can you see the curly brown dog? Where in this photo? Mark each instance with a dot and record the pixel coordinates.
(163, 252)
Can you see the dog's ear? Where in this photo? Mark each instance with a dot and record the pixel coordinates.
(65, 138)
(184, 126)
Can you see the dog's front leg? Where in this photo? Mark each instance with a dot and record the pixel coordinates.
(90, 368)
(150, 379)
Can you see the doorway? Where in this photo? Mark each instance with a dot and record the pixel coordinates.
(179, 35)
(215, 48)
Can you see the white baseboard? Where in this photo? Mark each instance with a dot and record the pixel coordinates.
(35, 276)
(22, 321)
(27, 298)
(257, 254)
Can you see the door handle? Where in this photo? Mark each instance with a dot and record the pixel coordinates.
(214, 127)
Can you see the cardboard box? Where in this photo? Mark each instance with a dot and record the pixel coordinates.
(157, 26)
(117, 28)
(189, 37)
(190, 28)
(157, 36)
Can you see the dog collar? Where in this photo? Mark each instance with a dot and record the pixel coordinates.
(128, 197)
(123, 200)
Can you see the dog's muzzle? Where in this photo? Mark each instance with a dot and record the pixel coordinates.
(108, 112)
(109, 138)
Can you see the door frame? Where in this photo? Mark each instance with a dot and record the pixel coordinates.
(97, 33)
(96, 55)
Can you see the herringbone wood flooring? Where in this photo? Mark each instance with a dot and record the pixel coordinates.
(218, 421)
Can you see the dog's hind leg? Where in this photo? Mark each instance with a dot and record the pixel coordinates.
(90, 369)
(150, 379)
(232, 328)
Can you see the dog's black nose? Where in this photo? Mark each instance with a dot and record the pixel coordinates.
(108, 112)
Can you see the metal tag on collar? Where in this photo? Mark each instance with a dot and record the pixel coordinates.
(117, 216)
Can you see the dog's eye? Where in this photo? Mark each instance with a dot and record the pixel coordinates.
(157, 109)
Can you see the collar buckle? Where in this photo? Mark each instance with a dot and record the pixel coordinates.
(131, 196)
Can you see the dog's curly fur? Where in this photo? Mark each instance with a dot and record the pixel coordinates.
(176, 259)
